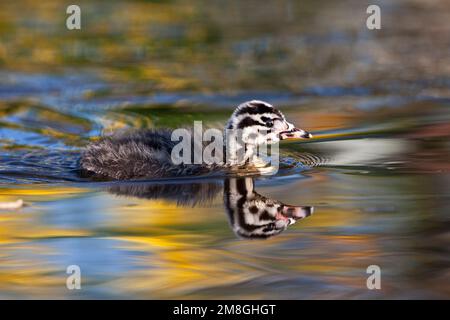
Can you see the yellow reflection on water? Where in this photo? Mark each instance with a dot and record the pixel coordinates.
(137, 248)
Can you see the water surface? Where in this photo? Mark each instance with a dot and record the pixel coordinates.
(370, 189)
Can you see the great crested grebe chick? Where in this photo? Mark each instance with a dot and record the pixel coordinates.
(147, 154)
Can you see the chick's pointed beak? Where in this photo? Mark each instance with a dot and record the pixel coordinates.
(295, 133)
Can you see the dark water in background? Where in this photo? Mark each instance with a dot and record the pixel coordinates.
(377, 102)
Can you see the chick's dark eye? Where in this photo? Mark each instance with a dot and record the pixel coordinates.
(267, 121)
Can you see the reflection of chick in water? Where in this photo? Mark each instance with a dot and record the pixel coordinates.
(184, 194)
(250, 214)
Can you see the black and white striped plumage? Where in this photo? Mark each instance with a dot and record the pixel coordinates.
(256, 115)
(147, 153)
(252, 215)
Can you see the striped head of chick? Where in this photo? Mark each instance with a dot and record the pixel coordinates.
(262, 123)
(253, 124)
